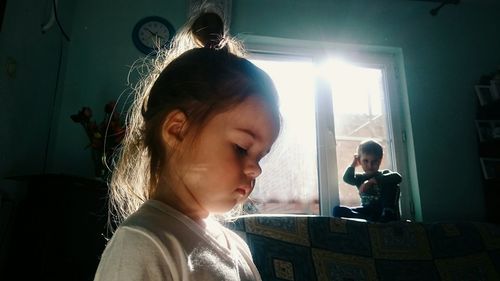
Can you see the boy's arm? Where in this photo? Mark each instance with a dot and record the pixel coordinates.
(366, 185)
(350, 177)
(391, 178)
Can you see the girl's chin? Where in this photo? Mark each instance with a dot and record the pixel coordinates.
(224, 208)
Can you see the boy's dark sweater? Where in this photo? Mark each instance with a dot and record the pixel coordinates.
(371, 198)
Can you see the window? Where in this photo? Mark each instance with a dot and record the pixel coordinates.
(329, 106)
(359, 110)
(293, 159)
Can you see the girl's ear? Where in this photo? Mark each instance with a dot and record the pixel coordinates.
(173, 128)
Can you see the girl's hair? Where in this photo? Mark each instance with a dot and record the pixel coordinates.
(202, 74)
(371, 147)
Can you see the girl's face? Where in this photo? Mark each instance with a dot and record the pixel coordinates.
(219, 172)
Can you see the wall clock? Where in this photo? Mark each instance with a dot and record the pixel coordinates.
(152, 32)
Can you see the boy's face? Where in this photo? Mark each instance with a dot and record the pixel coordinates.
(369, 162)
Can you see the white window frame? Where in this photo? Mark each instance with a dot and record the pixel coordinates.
(385, 58)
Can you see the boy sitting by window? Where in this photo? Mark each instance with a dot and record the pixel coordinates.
(379, 190)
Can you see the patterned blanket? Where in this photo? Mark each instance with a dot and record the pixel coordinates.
(307, 248)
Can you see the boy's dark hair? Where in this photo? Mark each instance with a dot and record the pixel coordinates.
(371, 147)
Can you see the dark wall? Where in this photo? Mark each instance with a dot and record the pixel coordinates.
(443, 58)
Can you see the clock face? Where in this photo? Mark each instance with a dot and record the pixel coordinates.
(152, 33)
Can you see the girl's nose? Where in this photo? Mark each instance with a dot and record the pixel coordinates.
(252, 169)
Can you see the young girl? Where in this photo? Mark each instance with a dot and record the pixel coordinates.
(192, 149)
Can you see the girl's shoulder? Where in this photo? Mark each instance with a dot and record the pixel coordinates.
(150, 214)
(237, 238)
(160, 220)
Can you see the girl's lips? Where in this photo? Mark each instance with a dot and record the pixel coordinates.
(244, 190)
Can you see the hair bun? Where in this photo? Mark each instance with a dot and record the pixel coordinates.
(208, 30)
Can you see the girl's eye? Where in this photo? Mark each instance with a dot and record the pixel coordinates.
(240, 150)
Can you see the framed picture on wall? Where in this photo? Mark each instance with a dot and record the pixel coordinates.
(490, 167)
(484, 94)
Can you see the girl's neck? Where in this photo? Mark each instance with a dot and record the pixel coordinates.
(181, 200)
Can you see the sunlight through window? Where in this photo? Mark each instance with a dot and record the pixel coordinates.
(359, 114)
(289, 182)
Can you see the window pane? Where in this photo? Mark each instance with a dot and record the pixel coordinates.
(359, 114)
(289, 182)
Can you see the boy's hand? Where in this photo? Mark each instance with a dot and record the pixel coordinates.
(367, 185)
(355, 161)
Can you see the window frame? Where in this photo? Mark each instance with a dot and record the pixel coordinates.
(388, 60)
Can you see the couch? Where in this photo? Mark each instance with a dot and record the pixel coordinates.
(308, 248)
(56, 231)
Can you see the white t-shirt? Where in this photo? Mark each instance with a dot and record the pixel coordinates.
(159, 243)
